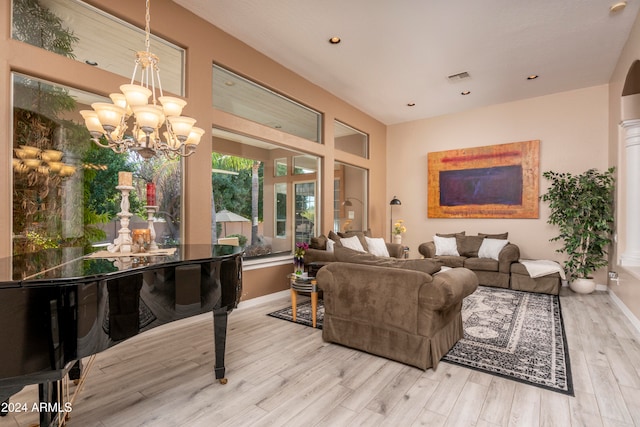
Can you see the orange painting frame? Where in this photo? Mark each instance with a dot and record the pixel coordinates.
(524, 154)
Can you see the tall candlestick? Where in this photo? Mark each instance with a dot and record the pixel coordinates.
(151, 194)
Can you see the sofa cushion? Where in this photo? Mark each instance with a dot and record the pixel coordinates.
(352, 243)
(468, 245)
(462, 233)
(425, 265)
(319, 242)
(503, 236)
(452, 261)
(491, 248)
(333, 236)
(377, 246)
(481, 264)
(445, 246)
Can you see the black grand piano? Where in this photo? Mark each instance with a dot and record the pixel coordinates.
(59, 306)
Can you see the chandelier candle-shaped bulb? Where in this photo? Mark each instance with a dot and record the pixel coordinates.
(110, 115)
(172, 106)
(181, 126)
(136, 94)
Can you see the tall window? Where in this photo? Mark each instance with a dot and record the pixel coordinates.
(350, 140)
(244, 98)
(263, 193)
(350, 198)
(305, 213)
(77, 30)
(64, 191)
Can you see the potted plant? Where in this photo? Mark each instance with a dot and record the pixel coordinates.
(582, 208)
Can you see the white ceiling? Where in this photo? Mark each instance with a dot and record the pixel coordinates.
(401, 51)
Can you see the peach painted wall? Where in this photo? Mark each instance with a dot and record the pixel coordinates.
(627, 289)
(572, 128)
(205, 44)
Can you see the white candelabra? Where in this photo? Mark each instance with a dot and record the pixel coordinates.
(151, 210)
(122, 243)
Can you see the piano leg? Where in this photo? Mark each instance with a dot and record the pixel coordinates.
(49, 401)
(219, 341)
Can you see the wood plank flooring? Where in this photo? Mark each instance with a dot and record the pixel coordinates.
(281, 373)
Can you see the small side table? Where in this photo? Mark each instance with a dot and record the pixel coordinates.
(309, 285)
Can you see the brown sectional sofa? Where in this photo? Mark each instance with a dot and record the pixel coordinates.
(405, 310)
(317, 252)
(490, 272)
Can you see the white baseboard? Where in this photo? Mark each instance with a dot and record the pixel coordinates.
(632, 318)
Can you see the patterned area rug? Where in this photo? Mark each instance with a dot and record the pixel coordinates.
(303, 314)
(516, 335)
(512, 334)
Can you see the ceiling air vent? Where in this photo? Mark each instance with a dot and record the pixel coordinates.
(458, 77)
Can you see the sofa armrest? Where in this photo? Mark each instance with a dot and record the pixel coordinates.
(396, 250)
(508, 255)
(427, 250)
(449, 287)
(318, 255)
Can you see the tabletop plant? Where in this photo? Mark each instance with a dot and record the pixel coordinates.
(582, 208)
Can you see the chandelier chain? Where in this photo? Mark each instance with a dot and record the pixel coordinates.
(147, 26)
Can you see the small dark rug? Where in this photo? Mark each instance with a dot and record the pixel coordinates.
(303, 314)
(512, 334)
(516, 335)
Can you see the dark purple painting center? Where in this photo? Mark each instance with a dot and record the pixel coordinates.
(485, 186)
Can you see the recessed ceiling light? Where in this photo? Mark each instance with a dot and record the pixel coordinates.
(229, 83)
(335, 40)
(532, 77)
(92, 63)
(616, 7)
(465, 92)
(411, 104)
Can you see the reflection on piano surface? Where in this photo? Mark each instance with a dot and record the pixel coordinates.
(75, 306)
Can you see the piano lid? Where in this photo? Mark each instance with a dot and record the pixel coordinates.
(59, 265)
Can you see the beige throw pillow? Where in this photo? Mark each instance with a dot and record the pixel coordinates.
(446, 246)
(377, 246)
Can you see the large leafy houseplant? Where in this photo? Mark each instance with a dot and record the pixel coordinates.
(582, 208)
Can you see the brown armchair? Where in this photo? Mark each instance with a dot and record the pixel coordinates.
(409, 316)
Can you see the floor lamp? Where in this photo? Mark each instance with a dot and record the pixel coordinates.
(394, 202)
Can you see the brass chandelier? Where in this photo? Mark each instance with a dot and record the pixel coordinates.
(157, 126)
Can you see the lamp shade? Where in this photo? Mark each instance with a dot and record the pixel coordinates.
(172, 106)
(194, 136)
(109, 115)
(148, 117)
(395, 201)
(181, 126)
(136, 94)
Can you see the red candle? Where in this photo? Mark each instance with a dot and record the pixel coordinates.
(151, 194)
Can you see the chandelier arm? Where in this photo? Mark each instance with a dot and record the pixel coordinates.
(99, 144)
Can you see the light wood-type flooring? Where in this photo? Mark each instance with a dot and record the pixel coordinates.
(281, 373)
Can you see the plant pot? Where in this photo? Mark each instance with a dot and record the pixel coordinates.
(582, 285)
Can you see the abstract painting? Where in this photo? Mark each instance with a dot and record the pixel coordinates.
(496, 181)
